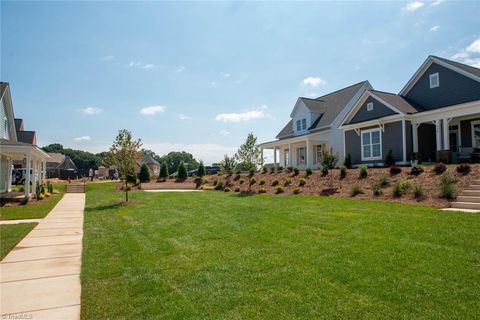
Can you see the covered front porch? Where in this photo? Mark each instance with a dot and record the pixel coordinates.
(34, 166)
(301, 152)
(448, 135)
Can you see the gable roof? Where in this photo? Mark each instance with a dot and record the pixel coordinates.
(57, 158)
(286, 131)
(148, 159)
(464, 69)
(397, 101)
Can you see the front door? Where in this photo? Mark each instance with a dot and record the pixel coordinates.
(476, 134)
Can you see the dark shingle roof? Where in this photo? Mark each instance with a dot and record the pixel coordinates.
(397, 101)
(314, 105)
(286, 131)
(464, 67)
(148, 159)
(55, 158)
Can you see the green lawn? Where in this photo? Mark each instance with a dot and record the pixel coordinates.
(11, 234)
(33, 210)
(216, 255)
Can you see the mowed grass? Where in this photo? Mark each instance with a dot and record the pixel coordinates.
(11, 234)
(34, 210)
(213, 255)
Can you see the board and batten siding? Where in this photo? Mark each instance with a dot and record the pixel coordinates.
(379, 111)
(454, 88)
(391, 140)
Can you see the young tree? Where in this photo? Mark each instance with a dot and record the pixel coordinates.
(201, 170)
(182, 174)
(228, 164)
(163, 172)
(123, 153)
(249, 154)
(328, 161)
(144, 175)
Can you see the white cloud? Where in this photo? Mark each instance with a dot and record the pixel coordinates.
(83, 138)
(434, 28)
(152, 110)
(314, 81)
(258, 113)
(141, 65)
(148, 66)
(414, 6)
(313, 94)
(224, 133)
(180, 69)
(436, 2)
(182, 116)
(106, 58)
(91, 111)
(469, 55)
(226, 74)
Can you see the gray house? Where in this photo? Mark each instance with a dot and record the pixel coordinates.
(435, 117)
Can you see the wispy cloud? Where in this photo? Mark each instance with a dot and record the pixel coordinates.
(257, 113)
(225, 74)
(83, 138)
(180, 69)
(436, 2)
(152, 110)
(106, 58)
(414, 6)
(314, 82)
(224, 133)
(469, 55)
(182, 116)
(141, 65)
(90, 111)
(434, 28)
(313, 94)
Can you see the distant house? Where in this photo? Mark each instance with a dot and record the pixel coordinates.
(18, 148)
(151, 163)
(61, 166)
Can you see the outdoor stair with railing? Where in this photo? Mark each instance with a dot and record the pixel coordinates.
(75, 188)
(469, 198)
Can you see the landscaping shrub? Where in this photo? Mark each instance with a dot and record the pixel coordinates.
(265, 169)
(237, 189)
(262, 190)
(262, 182)
(219, 185)
(377, 188)
(343, 171)
(163, 175)
(227, 189)
(253, 181)
(251, 171)
(296, 171)
(290, 169)
(389, 159)
(348, 161)
(363, 171)
(200, 170)
(464, 168)
(24, 201)
(296, 191)
(272, 169)
(287, 182)
(418, 191)
(241, 181)
(447, 187)
(215, 182)
(355, 190)
(144, 175)
(308, 171)
(280, 169)
(397, 190)
(440, 168)
(405, 185)
(275, 182)
(182, 174)
(383, 181)
(415, 171)
(198, 182)
(279, 190)
(131, 179)
(302, 182)
(324, 171)
(394, 170)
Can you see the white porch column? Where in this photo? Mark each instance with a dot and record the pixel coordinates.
(446, 135)
(415, 136)
(9, 180)
(261, 151)
(27, 174)
(308, 154)
(34, 177)
(438, 131)
(44, 171)
(275, 157)
(290, 151)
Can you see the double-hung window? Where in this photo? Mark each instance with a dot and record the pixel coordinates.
(372, 144)
(299, 125)
(304, 124)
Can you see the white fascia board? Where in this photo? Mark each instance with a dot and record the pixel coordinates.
(460, 110)
(375, 122)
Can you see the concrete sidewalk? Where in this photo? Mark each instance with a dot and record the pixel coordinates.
(40, 277)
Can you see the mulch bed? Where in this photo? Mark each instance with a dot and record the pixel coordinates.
(334, 185)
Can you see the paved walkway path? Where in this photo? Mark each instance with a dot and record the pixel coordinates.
(40, 277)
(20, 221)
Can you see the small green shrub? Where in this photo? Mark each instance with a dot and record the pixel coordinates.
(401, 187)
(363, 171)
(348, 161)
(272, 169)
(356, 190)
(397, 190)
(290, 169)
(308, 171)
(265, 169)
(280, 169)
(383, 181)
(447, 187)
(324, 171)
(241, 181)
(227, 189)
(262, 190)
(418, 191)
(279, 190)
(296, 171)
(287, 182)
(302, 182)
(252, 171)
(296, 191)
(253, 181)
(377, 189)
(343, 171)
(262, 182)
(24, 201)
(219, 185)
(275, 182)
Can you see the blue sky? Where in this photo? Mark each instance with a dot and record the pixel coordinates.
(198, 76)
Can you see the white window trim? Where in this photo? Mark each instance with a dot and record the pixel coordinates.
(299, 125)
(304, 120)
(431, 76)
(370, 106)
(472, 124)
(381, 144)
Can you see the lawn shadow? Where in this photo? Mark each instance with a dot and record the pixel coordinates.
(113, 205)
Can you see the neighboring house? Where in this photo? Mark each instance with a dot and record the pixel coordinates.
(61, 166)
(18, 146)
(314, 125)
(435, 117)
(151, 163)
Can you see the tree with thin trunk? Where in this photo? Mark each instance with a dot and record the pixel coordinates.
(124, 153)
(249, 155)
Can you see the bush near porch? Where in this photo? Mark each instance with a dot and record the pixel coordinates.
(315, 183)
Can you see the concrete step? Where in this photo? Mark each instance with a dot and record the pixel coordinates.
(466, 205)
(468, 199)
(474, 193)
